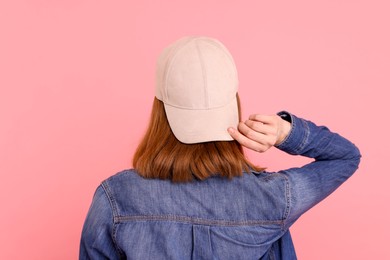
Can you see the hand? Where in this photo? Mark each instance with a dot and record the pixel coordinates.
(261, 132)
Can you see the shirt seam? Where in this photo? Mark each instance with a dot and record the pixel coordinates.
(288, 202)
(194, 220)
(114, 213)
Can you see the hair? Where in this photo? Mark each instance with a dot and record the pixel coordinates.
(161, 155)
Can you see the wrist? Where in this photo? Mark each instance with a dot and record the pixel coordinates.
(285, 128)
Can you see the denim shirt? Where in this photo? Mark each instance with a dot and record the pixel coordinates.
(247, 217)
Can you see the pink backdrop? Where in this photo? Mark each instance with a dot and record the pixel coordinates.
(76, 87)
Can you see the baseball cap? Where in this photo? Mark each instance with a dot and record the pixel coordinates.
(196, 79)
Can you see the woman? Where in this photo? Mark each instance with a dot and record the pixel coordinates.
(192, 193)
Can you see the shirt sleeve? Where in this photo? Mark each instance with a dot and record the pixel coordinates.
(335, 160)
(97, 233)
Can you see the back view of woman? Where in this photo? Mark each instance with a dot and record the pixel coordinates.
(192, 193)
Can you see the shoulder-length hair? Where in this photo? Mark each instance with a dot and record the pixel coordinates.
(161, 155)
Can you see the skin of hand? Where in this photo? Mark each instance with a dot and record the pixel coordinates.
(261, 132)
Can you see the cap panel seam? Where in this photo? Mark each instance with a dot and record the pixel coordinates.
(226, 52)
(204, 76)
(170, 61)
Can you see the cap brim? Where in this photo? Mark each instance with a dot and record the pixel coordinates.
(197, 126)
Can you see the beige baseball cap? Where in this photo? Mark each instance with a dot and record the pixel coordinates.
(196, 79)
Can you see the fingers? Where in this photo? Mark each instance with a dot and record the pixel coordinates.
(251, 133)
(258, 133)
(260, 127)
(246, 142)
(265, 119)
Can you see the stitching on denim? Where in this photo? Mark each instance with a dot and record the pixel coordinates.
(305, 137)
(209, 238)
(288, 201)
(195, 220)
(115, 214)
(114, 238)
(110, 198)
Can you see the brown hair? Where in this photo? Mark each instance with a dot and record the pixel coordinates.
(161, 155)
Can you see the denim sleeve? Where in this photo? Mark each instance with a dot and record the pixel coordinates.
(96, 237)
(335, 160)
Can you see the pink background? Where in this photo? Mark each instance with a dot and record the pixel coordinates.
(77, 82)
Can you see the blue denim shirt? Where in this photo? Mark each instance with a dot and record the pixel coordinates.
(247, 217)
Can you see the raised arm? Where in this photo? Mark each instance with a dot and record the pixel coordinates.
(335, 158)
